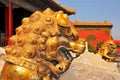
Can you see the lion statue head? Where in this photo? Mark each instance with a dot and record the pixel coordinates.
(42, 48)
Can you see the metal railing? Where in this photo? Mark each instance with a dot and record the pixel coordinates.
(3, 39)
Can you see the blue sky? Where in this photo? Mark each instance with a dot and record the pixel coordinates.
(96, 10)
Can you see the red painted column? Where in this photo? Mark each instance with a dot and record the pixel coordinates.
(10, 19)
(8, 22)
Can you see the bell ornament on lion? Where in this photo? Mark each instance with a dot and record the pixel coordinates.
(42, 47)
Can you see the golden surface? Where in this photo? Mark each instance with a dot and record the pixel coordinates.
(108, 50)
(42, 47)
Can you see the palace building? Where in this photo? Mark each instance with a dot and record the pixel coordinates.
(94, 32)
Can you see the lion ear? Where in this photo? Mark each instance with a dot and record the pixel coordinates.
(62, 20)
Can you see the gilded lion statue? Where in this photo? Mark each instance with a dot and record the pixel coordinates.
(42, 48)
(108, 50)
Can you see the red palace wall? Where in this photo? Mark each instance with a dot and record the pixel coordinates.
(101, 35)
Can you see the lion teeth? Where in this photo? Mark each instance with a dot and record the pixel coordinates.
(73, 54)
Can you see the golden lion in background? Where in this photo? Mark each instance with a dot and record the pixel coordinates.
(108, 50)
